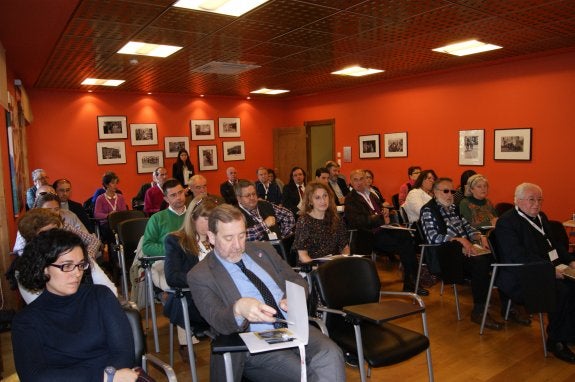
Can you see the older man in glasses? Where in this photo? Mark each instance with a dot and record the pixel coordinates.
(524, 235)
(460, 244)
(365, 212)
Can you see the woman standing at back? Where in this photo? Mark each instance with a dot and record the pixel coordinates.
(183, 169)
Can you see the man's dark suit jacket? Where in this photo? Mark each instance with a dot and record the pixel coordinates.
(228, 193)
(274, 194)
(290, 198)
(359, 215)
(519, 242)
(215, 294)
(80, 212)
(344, 189)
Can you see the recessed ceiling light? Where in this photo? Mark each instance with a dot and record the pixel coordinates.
(357, 71)
(269, 91)
(224, 7)
(102, 82)
(466, 47)
(145, 49)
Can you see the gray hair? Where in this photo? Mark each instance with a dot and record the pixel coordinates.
(36, 174)
(522, 189)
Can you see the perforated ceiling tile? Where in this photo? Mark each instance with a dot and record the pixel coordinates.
(297, 43)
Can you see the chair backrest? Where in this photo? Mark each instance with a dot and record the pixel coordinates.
(559, 234)
(347, 281)
(135, 320)
(129, 232)
(537, 282)
(119, 216)
(403, 216)
(503, 207)
(492, 239)
(395, 201)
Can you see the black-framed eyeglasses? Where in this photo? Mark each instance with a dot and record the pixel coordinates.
(69, 267)
(447, 191)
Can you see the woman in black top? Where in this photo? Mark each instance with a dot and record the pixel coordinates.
(183, 169)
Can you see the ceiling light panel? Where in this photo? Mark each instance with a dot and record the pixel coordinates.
(224, 7)
(145, 49)
(466, 47)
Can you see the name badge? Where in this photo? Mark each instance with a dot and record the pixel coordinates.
(274, 236)
(553, 255)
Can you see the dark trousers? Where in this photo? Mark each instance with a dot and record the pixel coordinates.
(401, 242)
(562, 320)
(455, 267)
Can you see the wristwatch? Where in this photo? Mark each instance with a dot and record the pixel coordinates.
(110, 372)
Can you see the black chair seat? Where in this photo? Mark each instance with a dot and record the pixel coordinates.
(385, 347)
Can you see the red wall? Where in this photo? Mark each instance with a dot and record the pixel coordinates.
(537, 93)
(63, 138)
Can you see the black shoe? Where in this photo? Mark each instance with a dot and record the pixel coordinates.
(350, 359)
(561, 351)
(519, 317)
(490, 323)
(411, 288)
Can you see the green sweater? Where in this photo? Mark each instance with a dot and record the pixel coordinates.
(159, 225)
(477, 212)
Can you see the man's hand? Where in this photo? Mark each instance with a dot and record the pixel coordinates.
(468, 248)
(270, 221)
(254, 310)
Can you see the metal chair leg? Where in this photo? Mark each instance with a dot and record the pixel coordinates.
(457, 302)
(191, 356)
(543, 336)
(150, 286)
(360, 360)
(488, 300)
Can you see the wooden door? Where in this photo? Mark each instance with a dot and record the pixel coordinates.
(290, 150)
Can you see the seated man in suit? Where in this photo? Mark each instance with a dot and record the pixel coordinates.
(39, 178)
(227, 297)
(364, 211)
(264, 220)
(266, 189)
(63, 188)
(337, 184)
(227, 188)
(524, 236)
(293, 191)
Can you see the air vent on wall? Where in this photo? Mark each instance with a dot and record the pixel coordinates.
(218, 67)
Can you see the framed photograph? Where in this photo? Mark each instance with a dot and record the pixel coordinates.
(112, 127)
(395, 145)
(471, 147)
(234, 150)
(369, 146)
(229, 127)
(111, 152)
(148, 161)
(512, 144)
(208, 157)
(172, 145)
(144, 134)
(202, 129)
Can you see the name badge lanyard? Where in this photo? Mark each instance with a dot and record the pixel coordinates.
(266, 189)
(552, 252)
(539, 229)
(259, 220)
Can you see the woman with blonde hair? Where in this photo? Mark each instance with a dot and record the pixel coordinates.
(475, 207)
(184, 249)
(319, 230)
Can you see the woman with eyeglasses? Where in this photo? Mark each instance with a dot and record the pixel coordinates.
(72, 331)
(476, 208)
(39, 220)
(460, 243)
(319, 231)
(184, 249)
(421, 193)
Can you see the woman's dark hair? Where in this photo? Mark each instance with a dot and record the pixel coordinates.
(187, 162)
(464, 177)
(291, 181)
(41, 199)
(422, 176)
(108, 178)
(43, 250)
